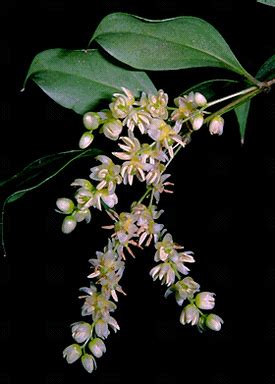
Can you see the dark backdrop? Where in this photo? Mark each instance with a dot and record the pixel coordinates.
(222, 209)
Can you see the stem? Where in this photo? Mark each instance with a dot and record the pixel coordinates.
(144, 195)
(233, 104)
(243, 92)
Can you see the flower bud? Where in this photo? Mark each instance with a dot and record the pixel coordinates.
(88, 362)
(91, 120)
(216, 125)
(200, 100)
(190, 314)
(205, 300)
(81, 331)
(97, 347)
(72, 353)
(112, 129)
(85, 140)
(65, 205)
(101, 329)
(69, 224)
(197, 122)
(214, 322)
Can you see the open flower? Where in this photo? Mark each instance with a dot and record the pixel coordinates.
(190, 315)
(122, 104)
(107, 174)
(165, 135)
(135, 164)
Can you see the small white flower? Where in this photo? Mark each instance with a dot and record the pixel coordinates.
(91, 120)
(81, 331)
(72, 353)
(69, 224)
(85, 140)
(190, 314)
(97, 347)
(205, 300)
(88, 362)
(199, 99)
(65, 205)
(122, 104)
(214, 322)
(197, 122)
(112, 129)
(101, 329)
(216, 125)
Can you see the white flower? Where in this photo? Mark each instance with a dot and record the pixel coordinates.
(199, 99)
(88, 362)
(135, 164)
(140, 119)
(107, 174)
(205, 300)
(197, 121)
(190, 314)
(72, 353)
(65, 205)
(216, 125)
(101, 329)
(91, 120)
(112, 129)
(164, 134)
(122, 104)
(85, 140)
(214, 322)
(163, 272)
(97, 347)
(69, 224)
(156, 105)
(81, 331)
(185, 288)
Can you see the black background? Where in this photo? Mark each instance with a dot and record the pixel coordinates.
(223, 209)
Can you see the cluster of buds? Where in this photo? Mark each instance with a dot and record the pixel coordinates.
(144, 158)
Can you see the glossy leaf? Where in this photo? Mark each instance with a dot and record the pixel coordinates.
(178, 43)
(267, 70)
(267, 2)
(242, 114)
(79, 80)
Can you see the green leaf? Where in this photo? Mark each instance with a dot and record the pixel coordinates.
(178, 43)
(210, 88)
(79, 80)
(242, 115)
(267, 2)
(267, 70)
(38, 173)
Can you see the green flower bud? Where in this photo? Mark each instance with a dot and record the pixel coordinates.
(65, 205)
(85, 140)
(72, 353)
(91, 120)
(97, 347)
(88, 362)
(214, 322)
(69, 224)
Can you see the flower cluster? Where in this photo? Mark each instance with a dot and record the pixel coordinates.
(149, 134)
